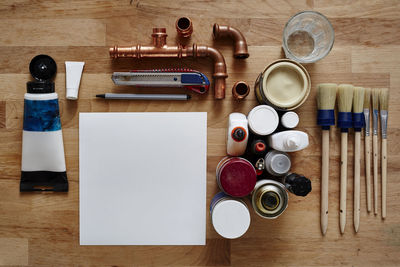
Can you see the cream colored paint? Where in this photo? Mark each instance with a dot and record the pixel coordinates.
(285, 84)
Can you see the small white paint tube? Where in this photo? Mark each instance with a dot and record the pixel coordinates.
(73, 73)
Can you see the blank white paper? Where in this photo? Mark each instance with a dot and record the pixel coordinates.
(142, 178)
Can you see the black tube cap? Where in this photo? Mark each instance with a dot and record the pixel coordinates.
(43, 68)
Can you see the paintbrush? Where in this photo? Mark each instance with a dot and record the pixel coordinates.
(384, 102)
(375, 112)
(345, 101)
(326, 97)
(367, 104)
(358, 124)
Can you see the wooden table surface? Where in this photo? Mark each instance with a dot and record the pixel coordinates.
(43, 229)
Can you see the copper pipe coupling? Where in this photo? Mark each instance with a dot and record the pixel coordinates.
(240, 90)
(184, 27)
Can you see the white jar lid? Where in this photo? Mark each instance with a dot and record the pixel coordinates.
(290, 119)
(230, 218)
(263, 120)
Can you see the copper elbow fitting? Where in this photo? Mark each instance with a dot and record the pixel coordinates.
(240, 90)
(161, 50)
(240, 44)
(220, 73)
(184, 27)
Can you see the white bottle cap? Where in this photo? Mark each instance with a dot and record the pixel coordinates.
(263, 120)
(230, 218)
(292, 142)
(290, 120)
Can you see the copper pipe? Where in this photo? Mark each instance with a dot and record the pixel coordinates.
(161, 49)
(240, 90)
(240, 44)
(184, 27)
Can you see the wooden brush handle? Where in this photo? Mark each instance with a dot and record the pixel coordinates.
(375, 151)
(325, 181)
(384, 176)
(368, 171)
(357, 194)
(343, 181)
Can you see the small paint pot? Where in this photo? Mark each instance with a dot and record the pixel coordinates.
(263, 120)
(230, 217)
(236, 176)
(277, 163)
(284, 84)
(269, 199)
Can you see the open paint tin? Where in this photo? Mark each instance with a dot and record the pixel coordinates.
(269, 199)
(284, 84)
(230, 217)
(236, 176)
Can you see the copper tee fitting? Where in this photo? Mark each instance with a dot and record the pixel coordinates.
(184, 27)
(161, 50)
(240, 44)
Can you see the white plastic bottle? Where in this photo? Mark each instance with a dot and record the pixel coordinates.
(288, 141)
(238, 134)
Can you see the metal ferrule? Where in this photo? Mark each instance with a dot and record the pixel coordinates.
(367, 121)
(375, 116)
(384, 118)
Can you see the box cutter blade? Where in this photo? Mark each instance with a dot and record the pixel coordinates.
(189, 79)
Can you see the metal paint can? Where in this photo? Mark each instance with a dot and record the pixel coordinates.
(269, 199)
(284, 85)
(229, 217)
(236, 176)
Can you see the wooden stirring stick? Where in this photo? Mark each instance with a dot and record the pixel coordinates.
(367, 103)
(326, 97)
(383, 102)
(358, 124)
(345, 101)
(375, 112)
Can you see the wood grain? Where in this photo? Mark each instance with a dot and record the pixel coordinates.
(366, 53)
(14, 251)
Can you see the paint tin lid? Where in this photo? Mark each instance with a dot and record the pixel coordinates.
(263, 120)
(231, 218)
(290, 120)
(286, 84)
(277, 163)
(237, 177)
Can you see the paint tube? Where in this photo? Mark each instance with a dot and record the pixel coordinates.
(73, 74)
(43, 162)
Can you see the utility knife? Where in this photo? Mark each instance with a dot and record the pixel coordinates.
(187, 78)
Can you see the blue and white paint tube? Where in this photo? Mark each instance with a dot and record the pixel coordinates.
(43, 161)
